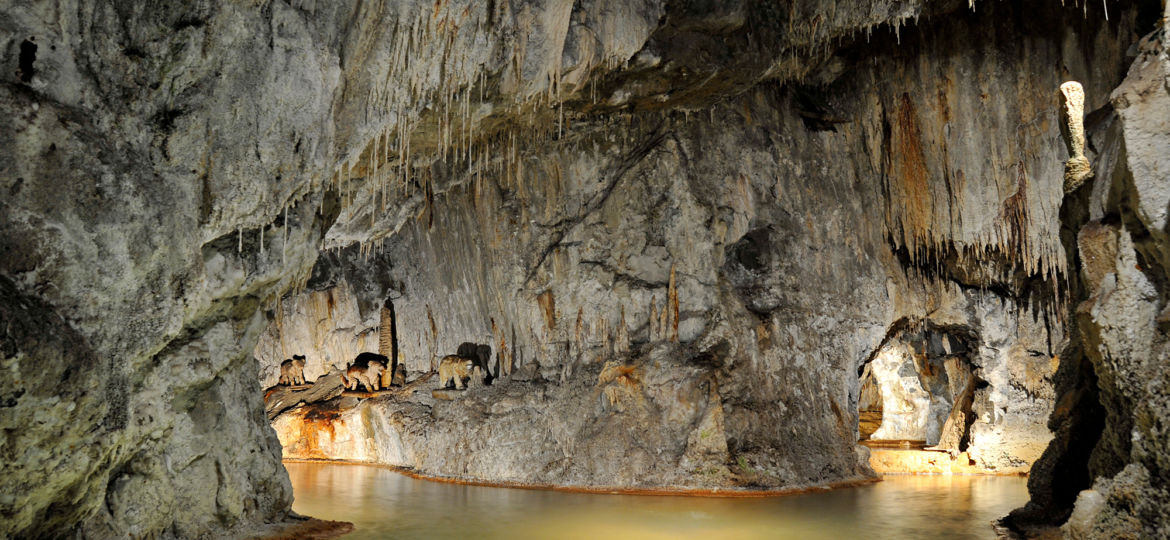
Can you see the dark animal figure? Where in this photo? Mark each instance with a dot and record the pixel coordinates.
(367, 369)
(480, 355)
(293, 371)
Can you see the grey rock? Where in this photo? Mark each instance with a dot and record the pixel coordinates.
(172, 171)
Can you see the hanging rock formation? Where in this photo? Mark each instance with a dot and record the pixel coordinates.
(195, 191)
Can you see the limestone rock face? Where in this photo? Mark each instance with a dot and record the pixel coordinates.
(1111, 434)
(791, 256)
(763, 189)
(909, 410)
(326, 326)
(1125, 338)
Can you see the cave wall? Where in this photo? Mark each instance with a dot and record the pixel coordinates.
(682, 193)
(324, 326)
(795, 249)
(1121, 321)
(136, 150)
(166, 170)
(171, 171)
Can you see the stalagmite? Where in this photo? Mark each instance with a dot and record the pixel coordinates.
(672, 291)
(1077, 169)
(388, 340)
(433, 337)
(663, 319)
(505, 357)
(501, 349)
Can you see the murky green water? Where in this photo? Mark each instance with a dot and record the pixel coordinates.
(384, 504)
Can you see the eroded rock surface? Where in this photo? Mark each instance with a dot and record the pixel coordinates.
(783, 272)
(772, 185)
(654, 422)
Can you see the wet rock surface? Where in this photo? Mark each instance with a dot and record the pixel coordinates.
(743, 195)
(785, 281)
(651, 423)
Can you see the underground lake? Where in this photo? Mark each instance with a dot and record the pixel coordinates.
(383, 503)
(616, 249)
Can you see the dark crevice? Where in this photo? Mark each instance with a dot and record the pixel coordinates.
(28, 55)
(623, 277)
(815, 109)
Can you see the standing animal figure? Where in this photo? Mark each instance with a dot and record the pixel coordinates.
(367, 369)
(293, 371)
(455, 368)
(482, 356)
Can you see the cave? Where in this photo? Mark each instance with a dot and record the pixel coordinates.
(923, 389)
(266, 264)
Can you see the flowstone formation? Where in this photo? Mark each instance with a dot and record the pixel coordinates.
(684, 228)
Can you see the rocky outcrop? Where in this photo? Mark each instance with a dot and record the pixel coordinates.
(326, 326)
(278, 399)
(1108, 457)
(148, 155)
(782, 272)
(785, 181)
(1121, 318)
(647, 425)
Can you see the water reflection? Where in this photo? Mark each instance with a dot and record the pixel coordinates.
(384, 504)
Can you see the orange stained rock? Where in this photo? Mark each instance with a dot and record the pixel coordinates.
(917, 461)
(911, 173)
(548, 306)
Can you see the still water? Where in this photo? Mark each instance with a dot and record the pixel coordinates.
(384, 504)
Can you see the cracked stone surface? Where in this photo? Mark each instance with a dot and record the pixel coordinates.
(179, 176)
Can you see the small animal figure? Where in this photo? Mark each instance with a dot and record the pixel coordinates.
(293, 371)
(366, 369)
(454, 369)
(482, 355)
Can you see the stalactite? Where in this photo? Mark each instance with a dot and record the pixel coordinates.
(577, 332)
(673, 294)
(434, 336)
(623, 334)
(652, 324)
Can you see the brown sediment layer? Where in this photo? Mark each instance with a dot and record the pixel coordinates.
(309, 529)
(910, 445)
(603, 490)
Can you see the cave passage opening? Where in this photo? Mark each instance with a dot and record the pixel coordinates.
(919, 389)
